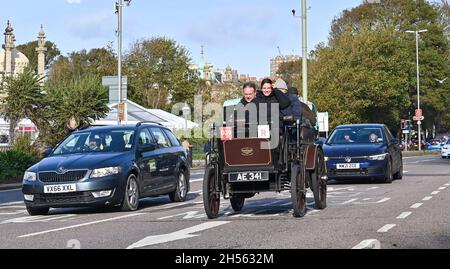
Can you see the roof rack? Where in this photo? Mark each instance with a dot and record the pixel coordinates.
(151, 122)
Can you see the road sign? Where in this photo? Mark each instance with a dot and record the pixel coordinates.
(419, 113)
(418, 118)
(121, 111)
(406, 131)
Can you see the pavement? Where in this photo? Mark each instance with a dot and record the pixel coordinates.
(407, 214)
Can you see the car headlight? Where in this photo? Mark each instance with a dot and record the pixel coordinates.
(327, 159)
(104, 172)
(378, 157)
(29, 176)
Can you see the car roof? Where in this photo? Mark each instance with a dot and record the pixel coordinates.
(378, 125)
(118, 127)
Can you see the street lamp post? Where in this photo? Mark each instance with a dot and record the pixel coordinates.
(119, 6)
(304, 49)
(419, 122)
(186, 111)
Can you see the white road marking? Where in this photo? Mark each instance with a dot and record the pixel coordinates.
(404, 215)
(175, 236)
(349, 201)
(373, 188)
(386, 228)
(435, 192)
(427, 198)
(12, 203)
(442, 188)
(340, 189)
(405, 172)
(368, 244)
(447, 184)
(416, 205)
(10, 190)
(176, 205)
(80, 225)
(196, 192)
(17, 212)
(195, 180)
(187, 215)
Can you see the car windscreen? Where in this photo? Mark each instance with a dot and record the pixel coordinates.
(356, 135)
(96, 142)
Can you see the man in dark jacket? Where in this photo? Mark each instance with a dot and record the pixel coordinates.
(294, 109)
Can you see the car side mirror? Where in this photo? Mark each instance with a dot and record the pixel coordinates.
(47, 152)
(319, 142)
(147, 147)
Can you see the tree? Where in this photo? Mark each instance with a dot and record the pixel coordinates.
(22, 97)
(29, 49)
(362, 78)
(158, 71)
(399, 16)
(97, 62)
(77, 102)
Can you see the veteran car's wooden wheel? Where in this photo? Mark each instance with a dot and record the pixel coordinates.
(298, 190)
(211, 198)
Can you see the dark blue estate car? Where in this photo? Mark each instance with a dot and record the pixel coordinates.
(363, 151)
(108, 166)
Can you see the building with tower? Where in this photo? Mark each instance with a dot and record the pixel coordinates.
(12, 63)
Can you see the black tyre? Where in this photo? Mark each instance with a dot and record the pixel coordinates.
(131, 194)
(399, 174)
(180, 193)
(36, 211)
(237, 202)
(319, 182)
(388, 178)
(211, 199)
(298, 191)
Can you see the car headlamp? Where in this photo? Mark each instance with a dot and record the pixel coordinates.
(104, 172)
(29, 176)
(379, 157)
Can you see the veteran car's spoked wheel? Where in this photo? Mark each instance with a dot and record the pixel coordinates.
(319, 182)
(211, 198)
(298, 191)
(237, 202)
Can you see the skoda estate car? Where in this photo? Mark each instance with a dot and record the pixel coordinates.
(363, 151)
(108, 166)
(445, 151)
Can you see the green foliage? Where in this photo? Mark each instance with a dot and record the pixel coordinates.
(158, 68)
(23, 144)
(13, 164)
(97, 62)
(29, 49)
(23, 98)
(367, 73)
(83, 100)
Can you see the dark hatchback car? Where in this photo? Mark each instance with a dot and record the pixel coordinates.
(363, 151)
(108, 166)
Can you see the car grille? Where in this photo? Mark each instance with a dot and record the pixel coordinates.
(64, 198)
(70, 176)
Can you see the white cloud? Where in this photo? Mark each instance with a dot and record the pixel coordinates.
(74, 2)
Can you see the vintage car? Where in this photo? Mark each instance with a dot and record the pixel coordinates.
(245, 161)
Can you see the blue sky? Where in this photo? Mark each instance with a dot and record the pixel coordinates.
(241, 33)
